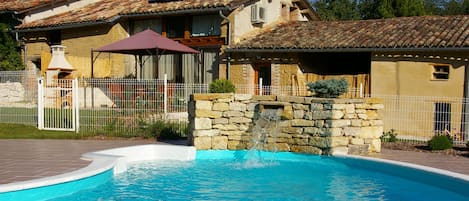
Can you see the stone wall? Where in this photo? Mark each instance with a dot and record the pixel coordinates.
(11, 92)
(309, 125)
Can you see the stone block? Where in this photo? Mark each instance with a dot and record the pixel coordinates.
(306, 149)
(372, 114)
(337, 114)
(211, 96)
(232, 133)
(264, 98)
(252, 106)
(249, 114)
(236, 145)
(339, 141)
(203, 105)
(371, 132)
(298, 106)
(236, 106)
(206, 133)
(358, 149)
(240, 120)
(328, 132)
(220, 121)
(233, 114)
(376, 123)
(203, 143)
(243, 127)
(356, 122)
(319, 123)
(375, 146)
(302, 122)
(242, 97)
(338, 123)
(286, 114)
(298, 114)
(311, 130)
(308, 116)
(352, 131)
(377, 106)
(362, 106)
(299, 141)
(373, 100)
(292, 130)
(291, 99)
(316, 106)
(207, 113)
(339, 106)
(202, 123)
(219, 142)
(357, 141)
(320, 142)
(283, 147)
(322, 114)
(226, 127)
(350, 108)
(220, 106)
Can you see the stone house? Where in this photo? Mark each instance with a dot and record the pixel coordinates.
(411, 56)
(205, 25)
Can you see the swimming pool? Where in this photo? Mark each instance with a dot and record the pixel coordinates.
(243, 175)
(235, 175)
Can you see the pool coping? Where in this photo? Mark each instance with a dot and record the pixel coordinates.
(117, 159)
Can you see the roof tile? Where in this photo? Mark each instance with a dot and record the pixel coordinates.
(106, 10)
(406, 32)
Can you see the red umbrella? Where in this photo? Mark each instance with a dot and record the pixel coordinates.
(143, 43)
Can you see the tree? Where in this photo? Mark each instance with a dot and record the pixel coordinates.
(375, 9)
(10, 58)
(337, 9)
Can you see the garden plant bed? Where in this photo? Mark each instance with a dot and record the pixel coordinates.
(457, 150)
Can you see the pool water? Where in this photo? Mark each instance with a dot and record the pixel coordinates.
(236, 175)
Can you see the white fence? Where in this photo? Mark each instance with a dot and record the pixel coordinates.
(121, 105)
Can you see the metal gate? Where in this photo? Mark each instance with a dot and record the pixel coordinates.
(58, 104)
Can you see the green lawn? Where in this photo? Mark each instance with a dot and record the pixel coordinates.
(17, 131)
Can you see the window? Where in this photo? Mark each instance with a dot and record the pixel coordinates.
(142, 25)
(175, 27)
(206, 25)
(441, 72)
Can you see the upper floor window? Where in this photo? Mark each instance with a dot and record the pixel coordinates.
(440, 72)
(55, 37)
(206, 25)
(142, 25)
(175, 27)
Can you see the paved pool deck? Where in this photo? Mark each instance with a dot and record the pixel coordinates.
(22, 160)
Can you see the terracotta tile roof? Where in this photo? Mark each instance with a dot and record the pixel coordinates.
(396, 33)
(20, 5)
(109, 10)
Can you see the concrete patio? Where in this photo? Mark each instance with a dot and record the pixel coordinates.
(22, 160)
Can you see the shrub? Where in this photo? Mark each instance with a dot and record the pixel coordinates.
(332, 88)
(222, 86)
(440, 142)
(161, 129)
(389, 136)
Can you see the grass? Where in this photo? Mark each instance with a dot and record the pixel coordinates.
(17, 131)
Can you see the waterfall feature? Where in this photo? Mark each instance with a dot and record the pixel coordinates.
(264, 137)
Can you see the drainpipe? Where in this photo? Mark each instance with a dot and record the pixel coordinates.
(228, 38)
(465, 123)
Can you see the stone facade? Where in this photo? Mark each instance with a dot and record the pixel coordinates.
(309, 125)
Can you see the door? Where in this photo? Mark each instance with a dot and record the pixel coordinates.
(262, 78)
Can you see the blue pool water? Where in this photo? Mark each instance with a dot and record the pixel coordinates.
(242, 175)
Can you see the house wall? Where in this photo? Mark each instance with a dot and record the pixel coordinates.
(79, 42)
(273, 14)
(409, 78)
(54, 9)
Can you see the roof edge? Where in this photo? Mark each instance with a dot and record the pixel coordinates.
(113, 19)
(377, 49)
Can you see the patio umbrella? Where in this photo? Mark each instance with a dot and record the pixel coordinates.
(144, 43)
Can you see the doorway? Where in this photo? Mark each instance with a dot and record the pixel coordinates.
(262, 72)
